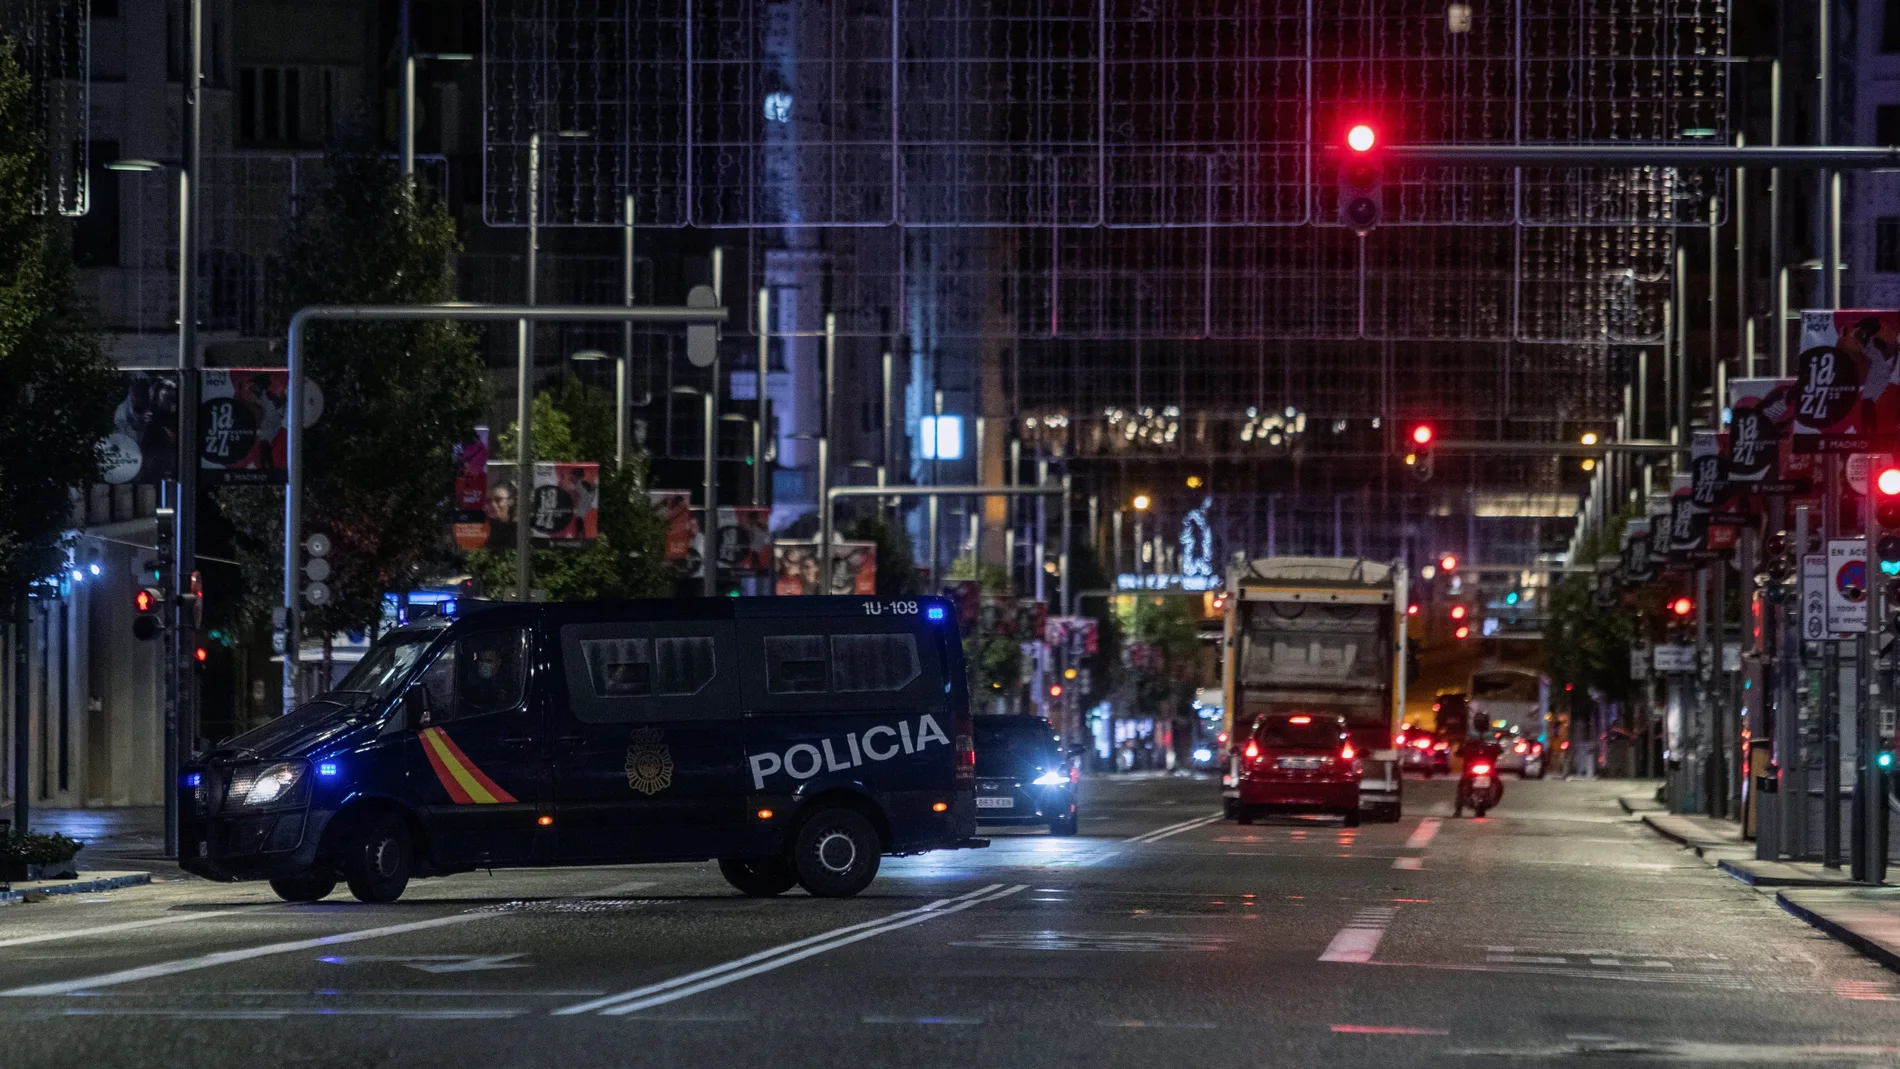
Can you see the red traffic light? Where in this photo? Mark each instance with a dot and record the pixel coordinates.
(1463, 632)
(1682, 606)
(146, 600)
(1361, 138)
(1423, 434)
(1412, 609)
(1888, 482)
(1055, 690)
(200, 654)
(1448, 562)
(1457, 612)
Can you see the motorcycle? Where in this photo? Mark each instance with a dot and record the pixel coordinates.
(1479, 788)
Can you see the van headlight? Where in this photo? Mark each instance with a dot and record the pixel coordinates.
(282, 783)
(1051, 779)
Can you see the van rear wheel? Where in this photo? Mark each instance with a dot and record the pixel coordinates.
(760, 877)
(304, 888)
(835, 853)
(379, 860)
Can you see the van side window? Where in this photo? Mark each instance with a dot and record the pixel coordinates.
(635, 671)
(864, 663)
(795, 664)
(675, 667)
(438, 681)
(491, 672)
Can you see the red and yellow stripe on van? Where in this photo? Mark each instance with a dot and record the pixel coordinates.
(466, 784)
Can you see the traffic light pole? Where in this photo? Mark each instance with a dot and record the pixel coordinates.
(294, 433)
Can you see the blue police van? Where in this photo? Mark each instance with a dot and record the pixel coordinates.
(793, 740)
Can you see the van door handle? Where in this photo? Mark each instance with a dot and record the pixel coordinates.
(517, 740)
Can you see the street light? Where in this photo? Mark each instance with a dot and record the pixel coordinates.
(1141, 503)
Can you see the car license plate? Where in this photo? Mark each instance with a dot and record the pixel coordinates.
(996, 803)
(1476, 781)
(1299, 762)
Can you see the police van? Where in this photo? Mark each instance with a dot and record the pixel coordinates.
(793, 740)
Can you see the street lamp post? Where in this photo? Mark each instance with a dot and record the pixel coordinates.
(408, 122)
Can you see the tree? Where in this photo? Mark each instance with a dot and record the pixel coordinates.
(628, 558)
(1161, 654)
(1587, 645)
(896, 570)
(56, 383)
(398, 397)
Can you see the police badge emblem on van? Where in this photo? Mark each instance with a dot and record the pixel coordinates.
(649, 762)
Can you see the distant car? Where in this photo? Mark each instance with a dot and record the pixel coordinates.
(1424, 753)
(1295, 763)
(1021, 776)
(1521, 755)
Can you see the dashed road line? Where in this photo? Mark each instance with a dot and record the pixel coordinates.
(1409, 864)
(107, 929)
(1173, 829)
(1357, 940)
(1423, 835)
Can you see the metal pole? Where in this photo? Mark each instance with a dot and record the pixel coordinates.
(1790, 768)
(1781, 322)
(1830, 687)
(1715, 315)
(1062, 554)
(1775, 252)
(977, 516)
(1834, 240)
(765, 443)
(709, 552)
(524, 388)
(884, 457)
(1744, 322)
(765, 403)
(23, 725)
(1669, 370)
(626, 338)
(1681, 435)
(824, 451)
(1115, 526)
(936, 464)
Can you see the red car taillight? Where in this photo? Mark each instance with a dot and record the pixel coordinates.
(1480, 770)
(1253, 751)
(1347, 753)
(1521, 747)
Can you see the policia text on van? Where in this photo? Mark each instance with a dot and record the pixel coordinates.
(793, 739)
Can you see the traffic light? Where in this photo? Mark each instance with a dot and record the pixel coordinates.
(1418, 449)
(147, 603)
(1448, 563)
(1457, 612)
(1681, 607)
(1887, 520)
(1361, 181)
(1461, 633)
(164, 548)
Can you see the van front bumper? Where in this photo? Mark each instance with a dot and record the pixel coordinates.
(252, 846)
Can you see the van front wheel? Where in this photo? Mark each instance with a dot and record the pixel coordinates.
(835, 853)
(760, 877)
(379, 861)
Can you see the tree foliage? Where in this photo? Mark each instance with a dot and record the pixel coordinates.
(1162, 652)
(628, 559)
(896, 569)
(1587, 645)
(398, 397)
(56, 385)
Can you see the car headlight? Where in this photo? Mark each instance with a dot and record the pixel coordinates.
(1051, 779)
(276, 784)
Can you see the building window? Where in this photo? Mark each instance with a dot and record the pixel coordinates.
(1887, 244)
(1890, 26)
(1887, 122)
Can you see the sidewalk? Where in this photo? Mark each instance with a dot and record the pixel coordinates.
(1863, 916)
(121, 840)
(85, 883)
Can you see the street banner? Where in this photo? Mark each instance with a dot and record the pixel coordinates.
(1637, 564)
(853, 568)
(1708, 477)
(1075, 634)
(563, 505)
(1846, 585)
(682, 531)
(1661, 529)
(143, 446)
(1846, 399)
(241, 426)
(745, 540)
(1761, 415)
(471, 491)
(1688, 522)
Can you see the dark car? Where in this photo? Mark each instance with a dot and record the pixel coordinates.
(1297, 763)
(1021, 776)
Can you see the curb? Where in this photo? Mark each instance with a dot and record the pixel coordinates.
(1755, 879)
(80, 886)
(1841, 933)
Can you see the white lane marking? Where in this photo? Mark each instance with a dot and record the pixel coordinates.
(227, 957)
(1174, 829)
(680, 987)
(1527, 959)
(602, 1003)
(1409, 864)
(1423, 835)
(1358, 939)
(104, 929)
(321, 1011)
(434, 963)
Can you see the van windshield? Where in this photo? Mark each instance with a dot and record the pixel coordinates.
(387, 665)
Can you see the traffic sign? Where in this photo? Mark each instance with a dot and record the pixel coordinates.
(1813, 597)
(1846, 585)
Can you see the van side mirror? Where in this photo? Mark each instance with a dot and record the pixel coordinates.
(416, 707)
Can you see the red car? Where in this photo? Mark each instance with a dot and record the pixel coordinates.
(1295, 763)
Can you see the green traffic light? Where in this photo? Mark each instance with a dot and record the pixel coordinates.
(1511, 598)
(1884, 759)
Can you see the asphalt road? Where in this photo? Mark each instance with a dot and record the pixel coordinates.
(1555, 931)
